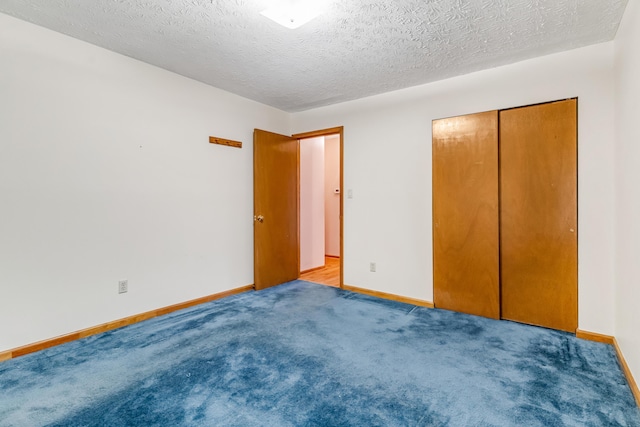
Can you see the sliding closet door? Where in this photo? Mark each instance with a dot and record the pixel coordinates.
(538, 183)
(465, 214)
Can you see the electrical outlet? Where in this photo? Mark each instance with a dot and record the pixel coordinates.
(372, 267)
(123, 286)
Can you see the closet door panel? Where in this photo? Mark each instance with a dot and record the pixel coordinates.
(538, 215)
(465, 214)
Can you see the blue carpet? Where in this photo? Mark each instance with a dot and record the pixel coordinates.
(308, 355)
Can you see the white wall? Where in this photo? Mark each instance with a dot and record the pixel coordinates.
(627, 164)
(387, 164)
(106, 173)
(332, 199)
(312, 203)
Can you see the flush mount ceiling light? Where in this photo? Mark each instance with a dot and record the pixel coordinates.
(293, 13)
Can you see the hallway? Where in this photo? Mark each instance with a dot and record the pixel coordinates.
(328, 275)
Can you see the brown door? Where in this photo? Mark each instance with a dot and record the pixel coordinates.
(465, 214)
(275, 186)
(538, 182)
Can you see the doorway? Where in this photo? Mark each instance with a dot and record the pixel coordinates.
(320, 196)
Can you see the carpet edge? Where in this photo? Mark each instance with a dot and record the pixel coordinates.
(115, 324)
(627, 373)
(593, 336)
(385, 295)
(611, 340)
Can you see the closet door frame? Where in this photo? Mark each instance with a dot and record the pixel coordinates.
(546, 294)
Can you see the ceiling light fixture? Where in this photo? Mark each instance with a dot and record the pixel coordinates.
(293, 13)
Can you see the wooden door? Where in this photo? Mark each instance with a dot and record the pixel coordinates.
(465, 214)
(538, 182)
(275, 187)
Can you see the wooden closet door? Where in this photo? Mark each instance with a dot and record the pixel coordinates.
(538, 215)
(465, 214)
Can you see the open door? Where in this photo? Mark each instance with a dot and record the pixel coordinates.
(275, 188)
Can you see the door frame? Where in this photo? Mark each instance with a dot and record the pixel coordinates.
(339, 130)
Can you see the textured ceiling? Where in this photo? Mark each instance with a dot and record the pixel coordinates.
(357, 48)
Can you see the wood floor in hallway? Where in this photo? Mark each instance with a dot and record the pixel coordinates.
(328, 275)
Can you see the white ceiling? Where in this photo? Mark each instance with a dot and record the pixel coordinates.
(356, 49)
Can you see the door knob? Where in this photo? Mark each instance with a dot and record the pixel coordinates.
(258, 218)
